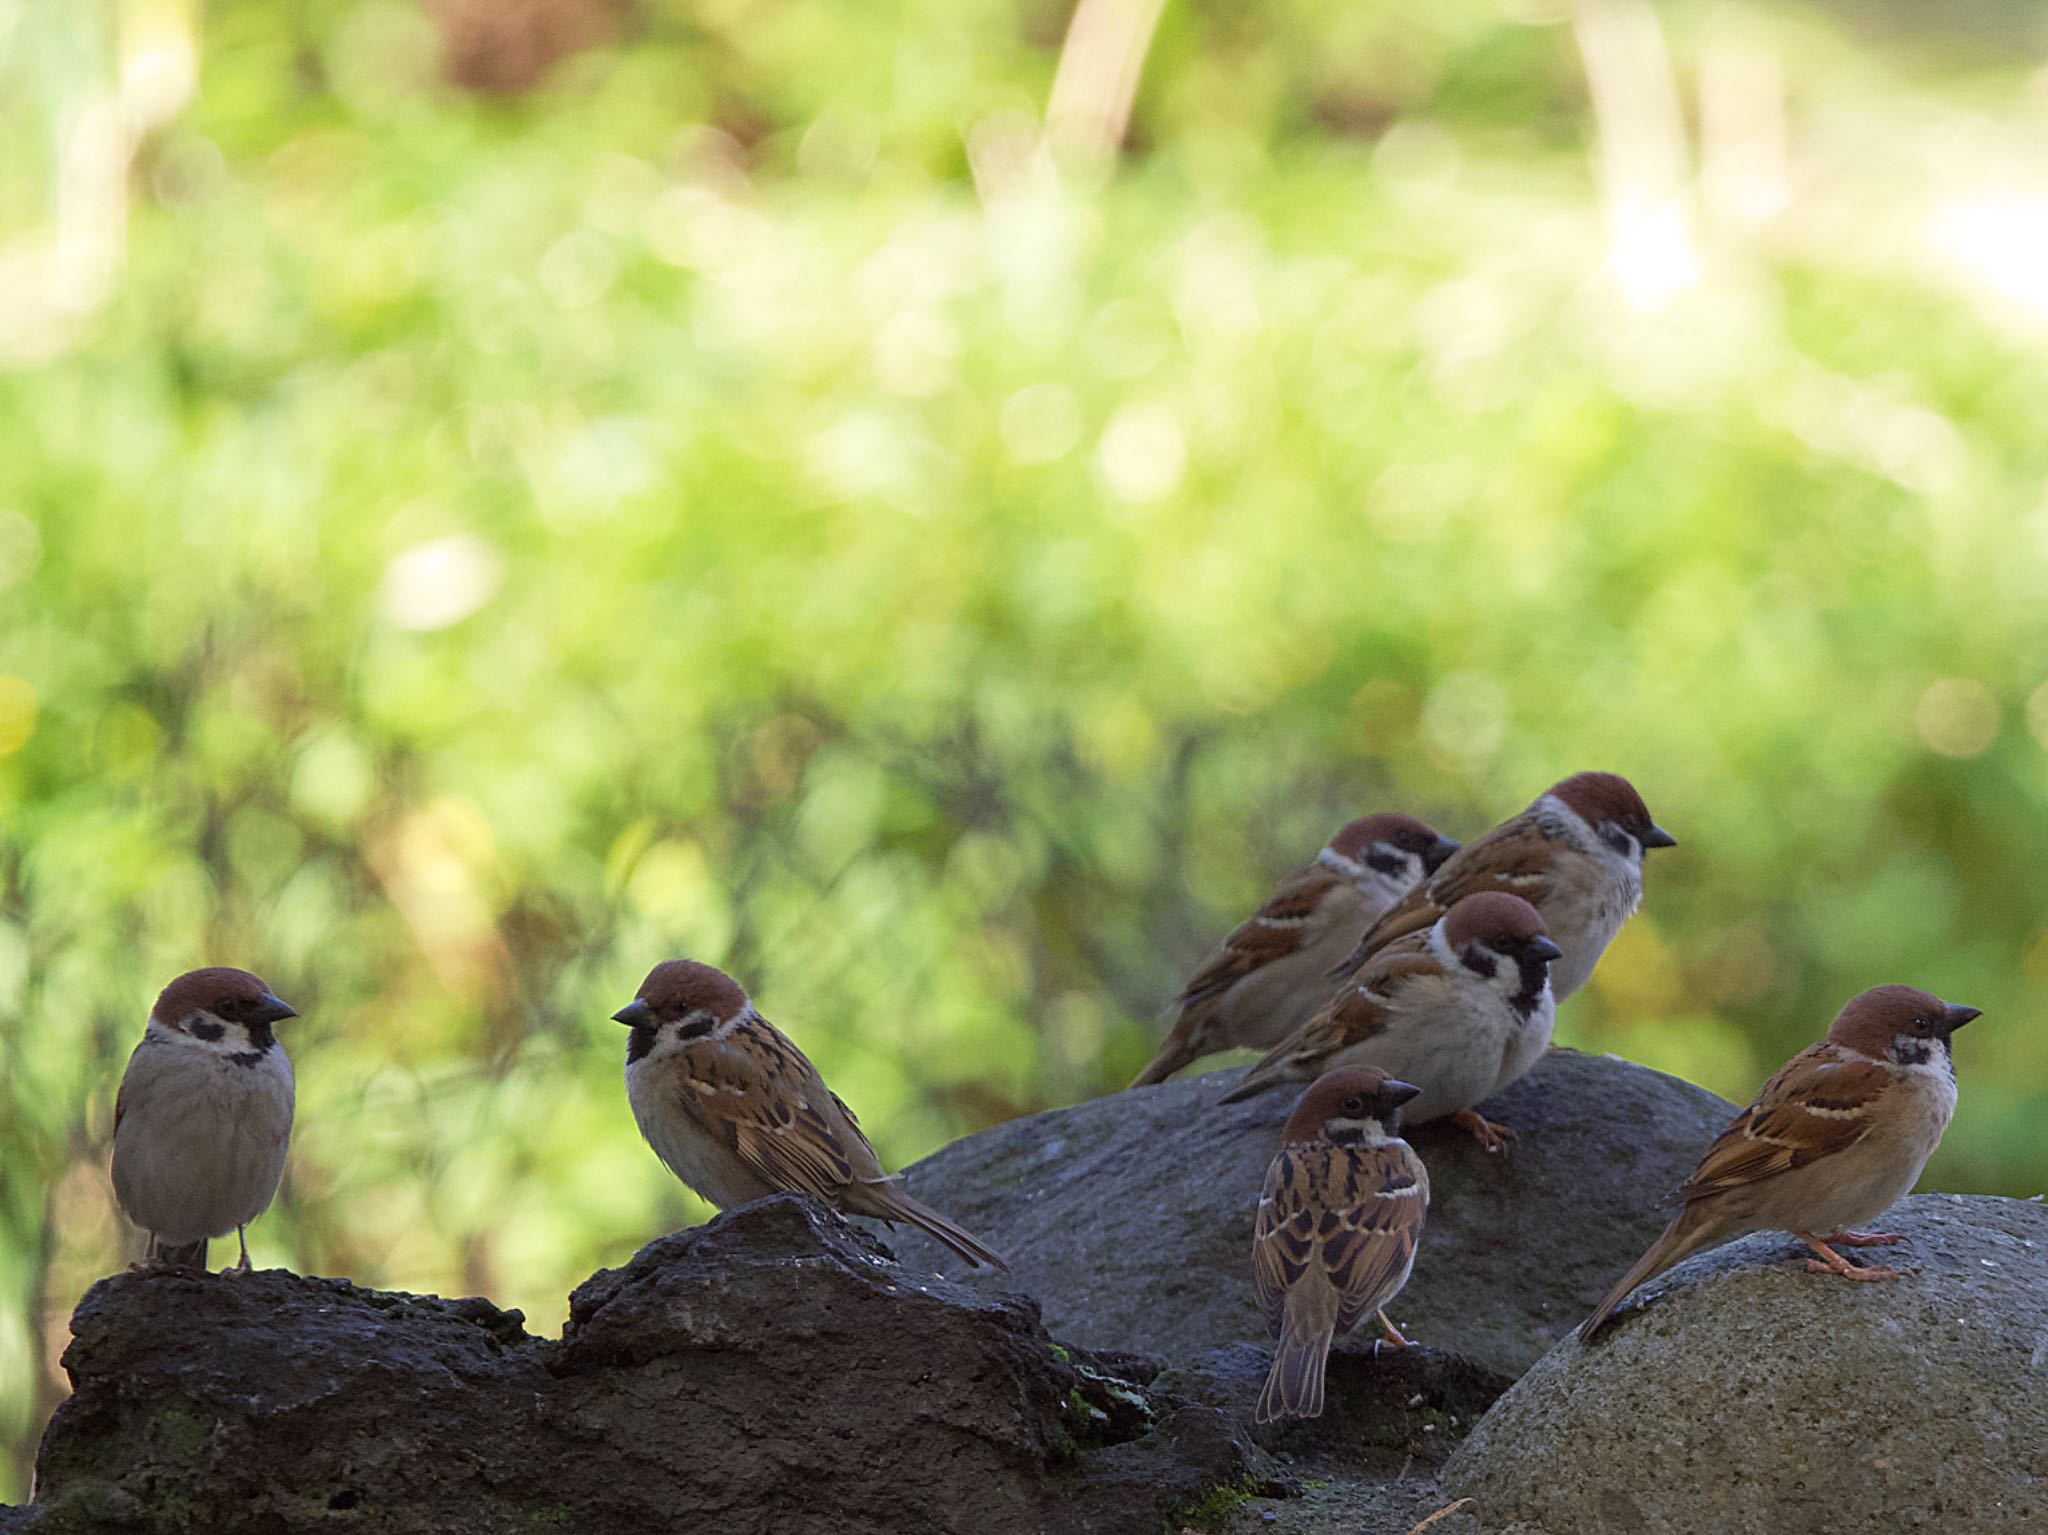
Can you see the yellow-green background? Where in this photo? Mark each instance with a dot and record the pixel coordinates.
(748, 498)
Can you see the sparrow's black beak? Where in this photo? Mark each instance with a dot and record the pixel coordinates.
(1958, 1015)
(1542, 947)
(636, 1014)
(1394, 1092)
(1657, 836)
(271, 1009)
(1433, 858)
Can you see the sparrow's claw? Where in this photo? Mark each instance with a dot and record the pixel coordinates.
(1864, 1238)
(1832, 1262)
(1847, 1270)
(1492, 1136)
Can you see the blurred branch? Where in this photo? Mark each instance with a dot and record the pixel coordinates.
(1643, 161)
(1101, 62)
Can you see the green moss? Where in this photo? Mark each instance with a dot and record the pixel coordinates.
(1213, 1509)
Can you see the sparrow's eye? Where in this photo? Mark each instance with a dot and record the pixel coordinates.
(1923, 1026)
(1354, 1105)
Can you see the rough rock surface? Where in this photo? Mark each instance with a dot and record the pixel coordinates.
(1130, 1218)
(1738, 1392)
(772, 1371)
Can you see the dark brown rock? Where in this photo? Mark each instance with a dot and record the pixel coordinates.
(774, 1371)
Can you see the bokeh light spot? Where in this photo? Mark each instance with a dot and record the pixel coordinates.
(1957, 717)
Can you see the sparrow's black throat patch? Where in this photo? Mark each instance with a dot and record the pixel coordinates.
(638, 1043)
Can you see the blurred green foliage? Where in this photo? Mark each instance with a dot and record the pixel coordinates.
(740, 500)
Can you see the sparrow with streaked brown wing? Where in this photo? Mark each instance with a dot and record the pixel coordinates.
(737, 1112)
(1836, 1138)
(1462, 1009)
(1576, 855)
(1337, 1229)
(1273, 971)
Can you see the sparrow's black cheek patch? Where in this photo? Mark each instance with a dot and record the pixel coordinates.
(210, 1032)
(1479, 961)
(1386, 860)
(696, 1029)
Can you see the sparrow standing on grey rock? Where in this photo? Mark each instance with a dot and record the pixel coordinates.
(203, 1116)
(1836, 1138)
(1461, 1009)
(738, 1113)
(1338, 1224)
(1273, 972)
(1576, 855)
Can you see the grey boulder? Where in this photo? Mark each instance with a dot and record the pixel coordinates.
(1739, 1392)
(1130, 1218)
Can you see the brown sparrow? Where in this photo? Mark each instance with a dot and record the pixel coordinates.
(1273, 972)
(738, 1113)
(203, 1115)
(1338, 1223)
(1462, 1009)
(1576, 855)
(1837, 1137)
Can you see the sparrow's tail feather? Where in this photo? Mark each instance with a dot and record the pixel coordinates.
(1294, 1386)
(1175, 1053)
(1267, 1074)
(1683, 1237)
(176, 1255)
(890, 1203)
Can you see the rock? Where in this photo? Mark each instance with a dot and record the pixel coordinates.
(1739, 1392)
(774, 1370)
(1130, 1218)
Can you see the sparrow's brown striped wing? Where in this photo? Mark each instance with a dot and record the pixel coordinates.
(756, 1092)
(1348, 1215)
(1822, 1101)
(1513, 857)
(1277, 929)
(1361, 1010)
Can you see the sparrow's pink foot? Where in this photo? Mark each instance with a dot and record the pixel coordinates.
(1483, 1130)
(1864, 1238)
(1394, 1338)
(1840, 1266)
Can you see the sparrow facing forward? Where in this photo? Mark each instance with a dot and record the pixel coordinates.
(203, 1115)
(1576, 855)
(738, 1113)
(1338, 1224)
(1836, 1138)
(1273, 972)
(1462, 1009)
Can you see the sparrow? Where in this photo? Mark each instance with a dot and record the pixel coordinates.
(1576, 855)
(1462, 1009)
(203, 1115)
(737, 1112)
(1836, 1138)
(1273, 972)
(1338, 1223)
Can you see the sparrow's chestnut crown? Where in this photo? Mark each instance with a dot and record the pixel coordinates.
(677, 988)
(1601, 799)
(233, 996)
(1349, 1092)
(1872, 1022)
(1500, 921)
(1355, 841)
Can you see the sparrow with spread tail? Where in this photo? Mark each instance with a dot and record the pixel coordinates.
(1576, 855)
(1273, 972)
(1338, 1224)
(1462, 1009)
(1836, 1138)
(738, 1113)
(203, 1116)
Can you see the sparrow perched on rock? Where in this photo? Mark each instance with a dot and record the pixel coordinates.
(1462, 1009)
(204, 1115)
(738, 1113)
(1338, 1223)
(1837, 1137)
(1273, 972)
(1576, 855)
